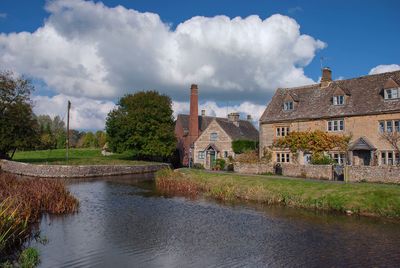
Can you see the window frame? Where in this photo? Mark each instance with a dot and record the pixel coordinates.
(288, 106)
(338, 100)
(201, 155)
(283, 157)
(336, 125)
(213, 136)
(391, 94)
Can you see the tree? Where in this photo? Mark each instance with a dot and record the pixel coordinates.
(18, 127)
(143, 125)
(393, 138)
(101, 139)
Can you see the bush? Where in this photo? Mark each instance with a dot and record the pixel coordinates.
(198, 166)
(242, 146)
(321, 159)
(248, 157)
(221, 163)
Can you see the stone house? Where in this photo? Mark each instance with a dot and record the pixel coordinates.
(216, 140)
(366, 108)
(189, 128)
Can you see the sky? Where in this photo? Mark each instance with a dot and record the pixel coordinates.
(238, 52)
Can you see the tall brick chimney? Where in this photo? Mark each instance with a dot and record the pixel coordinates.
(194, 114)
(326, 78)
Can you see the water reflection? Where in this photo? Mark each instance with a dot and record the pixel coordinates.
(125, 223)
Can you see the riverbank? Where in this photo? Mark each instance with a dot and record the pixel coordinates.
(22, 203)
(352, 198)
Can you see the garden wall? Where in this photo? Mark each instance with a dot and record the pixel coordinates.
(60, 171)
(323, 172)
(384, 174)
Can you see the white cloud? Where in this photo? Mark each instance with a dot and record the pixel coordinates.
(213, 109)
(86, 49)
(384, 68)
(85, 113)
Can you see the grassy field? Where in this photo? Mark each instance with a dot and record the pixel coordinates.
(76, 157)
(355, 198)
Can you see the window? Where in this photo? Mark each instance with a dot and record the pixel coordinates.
(339, 158)
(390, 158)
(225, 154)
(392, 93)
(336, 125)
(201, 154)
(382, 126)
(282, 131)
(283, 157)
(288, 105)
(389, 126)
(338, 100)
(214, 136)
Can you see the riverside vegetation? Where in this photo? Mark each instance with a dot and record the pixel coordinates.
(22, 203)
(353, 198)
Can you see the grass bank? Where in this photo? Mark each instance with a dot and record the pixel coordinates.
(22, 203)
(359, 198)
(76, 157)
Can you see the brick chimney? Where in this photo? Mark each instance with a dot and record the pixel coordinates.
(326, 78)
(194, 114)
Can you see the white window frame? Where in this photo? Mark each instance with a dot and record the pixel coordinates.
(338, 100)
(213, 136)
(288, 105)
(339, 158)
(336, 125)
(391, 94)
(283, 157)
(282, 131)
(201, 154)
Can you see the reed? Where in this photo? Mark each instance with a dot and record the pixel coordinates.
(22, 203)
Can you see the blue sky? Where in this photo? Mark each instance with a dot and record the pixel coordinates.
(357, 36)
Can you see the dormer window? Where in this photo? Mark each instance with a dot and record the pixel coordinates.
(288, 105)
(392, 93)
(338, 100)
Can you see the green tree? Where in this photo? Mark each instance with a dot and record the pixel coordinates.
(89, 140)
(143, 125)
(18, 127)
(101, 138)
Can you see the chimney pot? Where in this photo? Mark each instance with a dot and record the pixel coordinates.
(203, 112)
(249, 118)
(326, 75)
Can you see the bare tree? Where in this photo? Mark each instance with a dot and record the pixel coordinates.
(393, 138)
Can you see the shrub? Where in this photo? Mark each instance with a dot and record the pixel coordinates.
(321, 159)
(221, 163)
(248, 157)
(242, 146)
(198, 166)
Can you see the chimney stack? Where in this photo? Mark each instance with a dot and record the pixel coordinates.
(203, 112)
(194, 114)
(234, 118)
(249, 118)
(326, 78)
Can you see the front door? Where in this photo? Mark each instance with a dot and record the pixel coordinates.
(362, 158)
(213, 159)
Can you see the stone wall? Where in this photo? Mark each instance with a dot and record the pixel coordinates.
(383, 174)
(322, 172)
(59, 171)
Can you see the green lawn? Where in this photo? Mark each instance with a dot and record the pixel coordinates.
(359, 198)
(76, 157)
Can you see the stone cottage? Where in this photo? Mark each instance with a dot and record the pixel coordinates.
(202, 139)
(367, 108)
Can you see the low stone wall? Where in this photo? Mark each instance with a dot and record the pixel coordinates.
(59, 171)
(382, 174)
(322, 172)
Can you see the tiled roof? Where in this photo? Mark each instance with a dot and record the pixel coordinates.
(364, 96)
(244, 130)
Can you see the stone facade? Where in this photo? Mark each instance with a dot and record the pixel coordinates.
(356, 126)
(59, 171)
(372, 174)
(223, 145)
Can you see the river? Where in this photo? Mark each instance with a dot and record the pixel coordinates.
(124, 223)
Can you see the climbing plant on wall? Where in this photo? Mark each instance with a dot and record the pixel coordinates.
(313, 142)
